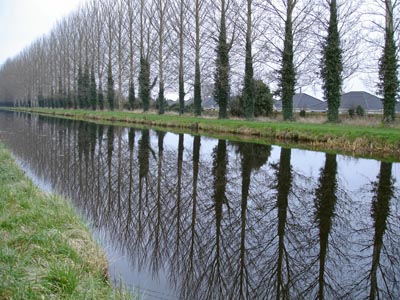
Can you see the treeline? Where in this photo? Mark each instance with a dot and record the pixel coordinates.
(128, 54)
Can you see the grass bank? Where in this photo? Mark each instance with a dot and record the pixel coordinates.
(367, 140)
(46, 252)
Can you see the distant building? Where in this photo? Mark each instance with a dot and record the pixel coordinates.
(371, 104)
(171, 102)
(207, 103)
(303, 101)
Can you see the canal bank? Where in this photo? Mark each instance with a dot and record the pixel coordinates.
(46, 250)
(367, 140)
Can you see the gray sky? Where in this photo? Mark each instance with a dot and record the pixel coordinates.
(23, 21)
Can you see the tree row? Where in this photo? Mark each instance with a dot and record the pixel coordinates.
(129, 54)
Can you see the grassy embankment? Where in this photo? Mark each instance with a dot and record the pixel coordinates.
(368, 137)
(46, 252)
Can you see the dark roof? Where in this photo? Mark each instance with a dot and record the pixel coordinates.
(171, 102)
(366, 100)
(209, 102)
(306, 102)
(309, 103)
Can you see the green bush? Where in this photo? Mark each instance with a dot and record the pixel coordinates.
(303, 113)
(351, 112)
(263, 101)
(235, 106)
(175, 107)
(360, 111)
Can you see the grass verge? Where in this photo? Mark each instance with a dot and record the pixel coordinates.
(374, 140)
(46, 251)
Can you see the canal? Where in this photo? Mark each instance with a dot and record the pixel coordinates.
(183, 216)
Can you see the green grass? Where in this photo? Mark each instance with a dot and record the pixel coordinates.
(373, 139)
(46, 251)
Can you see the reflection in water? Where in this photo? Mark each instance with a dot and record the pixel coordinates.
(222, 220)
(284, 184)
(252, 157)
(215, 266)
(325, 203)
(383, 191)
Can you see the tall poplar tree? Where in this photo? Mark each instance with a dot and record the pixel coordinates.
(144, 83)
(332, 66)
(86, 86)
(60, 93)
(181, 82)
(162, 9)
(131, 96)
(80, 87)
(40, 97)
(221, 77)
(69, 99)
(248, 90)
(109, 21)
(100, 97)
(93, 90)
(388, 66)
(288, 73)
(144, 73)
(130, 20)
(197, 74)
(110, 88)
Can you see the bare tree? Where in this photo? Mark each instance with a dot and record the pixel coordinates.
(131, 15)
(179, 20)
(162, 11)
(121, 42)
(146, 45)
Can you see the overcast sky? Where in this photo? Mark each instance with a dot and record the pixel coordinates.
(23, 21)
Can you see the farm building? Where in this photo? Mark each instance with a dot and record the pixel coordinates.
(371, 104)
(303, 101)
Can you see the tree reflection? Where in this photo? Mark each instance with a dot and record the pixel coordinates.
(224, 220)
(110, 150)
(382, 282)
(283, 187)
(97, 180)
(252, 157)
(214, 266)
(131, 145)
(179, 200)
(190, 257)
(196, 160)
(379, 252)
(325, 203)
(158, 231)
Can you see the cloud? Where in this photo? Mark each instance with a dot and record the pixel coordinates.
(23, 21)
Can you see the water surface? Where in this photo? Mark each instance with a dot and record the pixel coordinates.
(190, 217)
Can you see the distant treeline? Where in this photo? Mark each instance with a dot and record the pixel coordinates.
(6, 103)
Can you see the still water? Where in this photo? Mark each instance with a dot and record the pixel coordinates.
(191, 217)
